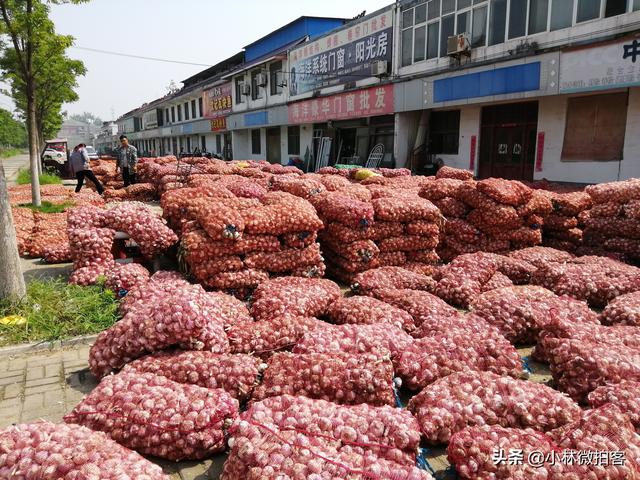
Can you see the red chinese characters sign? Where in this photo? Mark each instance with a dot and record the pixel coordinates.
(360, 103)
(217, 101)
(218, 124)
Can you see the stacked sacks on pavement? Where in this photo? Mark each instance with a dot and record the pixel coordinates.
(362, 233)
(614, 220)
(92, 230)
(291, 437)
(563, 227)
(46, 450)
(236, 243)
(492, 215)
(483, 452)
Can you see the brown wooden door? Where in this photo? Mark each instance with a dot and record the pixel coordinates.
(508, 140)
(273, 145)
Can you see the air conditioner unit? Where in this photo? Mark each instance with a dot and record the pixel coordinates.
(261, 79)
(458, 44)
(245, 89)
(379, 68)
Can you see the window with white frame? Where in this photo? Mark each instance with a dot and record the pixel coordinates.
(275, 78)
(427, 24)
(239, 85)
(256, 91)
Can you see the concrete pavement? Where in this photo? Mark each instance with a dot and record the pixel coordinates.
(12, 165)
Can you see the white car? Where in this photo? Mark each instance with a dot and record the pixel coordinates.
(93, 155)
(54, 155)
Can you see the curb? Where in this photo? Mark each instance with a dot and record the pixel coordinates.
(40, 347)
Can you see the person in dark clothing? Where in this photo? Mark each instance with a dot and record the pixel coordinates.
(126, 160)
(82, 168)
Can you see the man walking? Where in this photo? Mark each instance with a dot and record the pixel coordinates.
(127, 159)
(82, 168)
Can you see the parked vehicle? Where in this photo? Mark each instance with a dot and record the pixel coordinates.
(93, 155)
(56, 156)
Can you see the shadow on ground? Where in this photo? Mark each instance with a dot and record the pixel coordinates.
(34, 269)
(82, 381)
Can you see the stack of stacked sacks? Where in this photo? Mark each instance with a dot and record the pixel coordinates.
(164, 312)
(444, 340)
(234, 244)
(92, 231)
(362, 234)
(563, 227)
(296, 437)
(492, 215)
(483, 452)
(105, 172)
(23, 223)
(614, 220)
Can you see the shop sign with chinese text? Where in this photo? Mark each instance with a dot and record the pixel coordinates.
(218, 124)
(369, 102)
(343, 56)
(612, 65)
(217, 101)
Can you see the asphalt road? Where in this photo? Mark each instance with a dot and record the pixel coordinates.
(13, 164)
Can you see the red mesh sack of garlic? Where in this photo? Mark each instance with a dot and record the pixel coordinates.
(358, 251)
(160, 282)
(391, 277)
(623, 310)
(579, 366)
(87, 276)
(247, 189)
(433, 357)
(388, 432)
(377, 339)
(44, 450)
(423, 228)
(482, 452)
(122, 278)
(451, 207)
(267, 336)
(157, 416)
(91, 246)
(540, 256)
(298, 186)
(230, 281)
(597, 280)
(616, 192)
(23, 222)
(632, 209)
(260, 452)
(458, 324)
(340, 208)
(235, 374)
(509, 192)
(407, 243)
(498, 280)
(625, 246)
(560, 328)
(606, 210)
(405, 209)
(450, 172)
(285, 260)
(299, 239)
(337, 377)
(441, 189)
(49, 229)
(462, 279)
(60, 253)
(310, 271)
(198, 247)
(281, 213)
(219, 218)
(204, 270)
(469, 399)
(559, 222)
(85, 217)
(391, 259)
(309, 297)
(604, 429)
(624, 395)
(572, 203)
(147, 229)
(361, 310)
(183, 316)
(422, 306)
(175, 203)
(519, 312)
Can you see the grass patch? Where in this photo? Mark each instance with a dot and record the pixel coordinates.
(48, 207)
(55, 310)
(24, 178)
(10, 152)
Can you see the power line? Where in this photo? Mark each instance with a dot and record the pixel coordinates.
(141, 57)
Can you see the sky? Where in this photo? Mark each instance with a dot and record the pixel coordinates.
(197, 31)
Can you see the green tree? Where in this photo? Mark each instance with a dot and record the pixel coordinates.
(25, 31)
(87, 117)
(12, 131)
